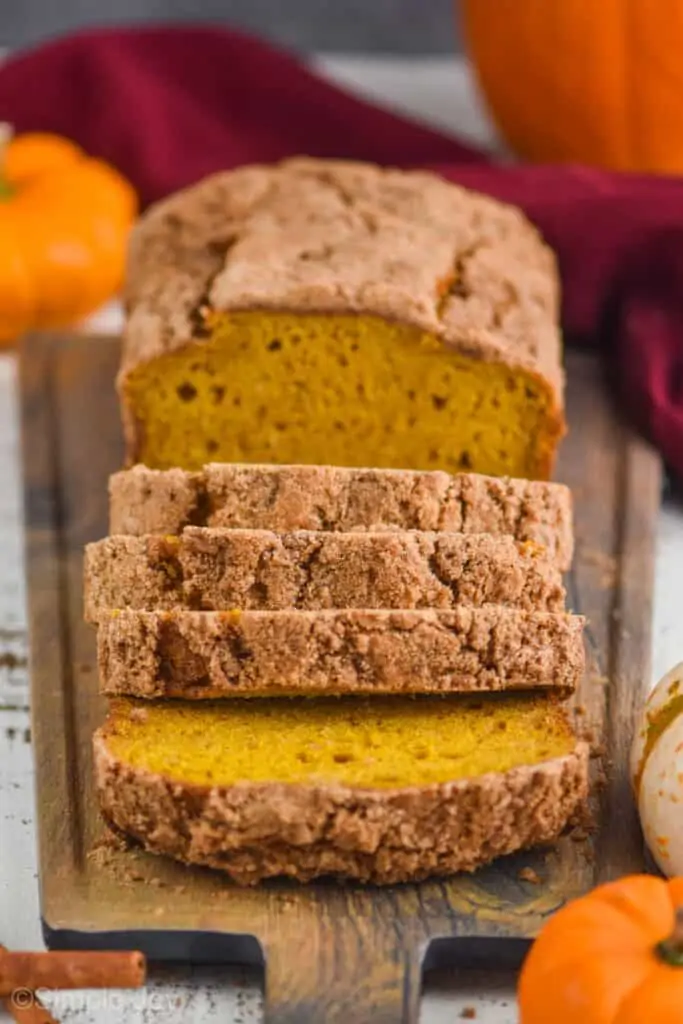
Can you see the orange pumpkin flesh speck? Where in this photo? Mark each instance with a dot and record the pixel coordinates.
(64, 223)
(614, 956)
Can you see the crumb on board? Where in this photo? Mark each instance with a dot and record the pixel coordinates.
(588, 853)
(606, 565)
(104, 855)
(468, 1013)
(586, 733)
(529, 875)
(582, 823)
(105, 847)
(286, 900)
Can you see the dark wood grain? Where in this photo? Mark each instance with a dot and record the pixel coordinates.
(332, 953)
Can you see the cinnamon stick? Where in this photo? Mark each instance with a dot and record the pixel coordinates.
(72, 969)
(24, 1007)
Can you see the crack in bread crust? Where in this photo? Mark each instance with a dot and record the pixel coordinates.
(383, 240)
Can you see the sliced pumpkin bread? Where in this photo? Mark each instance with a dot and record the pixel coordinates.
(203, 655)
(285, 498)
(383, 790)
(212, 569)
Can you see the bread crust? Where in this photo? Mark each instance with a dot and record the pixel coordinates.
(325, 236)
(208, 655)
(331, 498)
(211, 569)
(255, 831)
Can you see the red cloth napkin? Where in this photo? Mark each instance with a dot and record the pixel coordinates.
(170, 105)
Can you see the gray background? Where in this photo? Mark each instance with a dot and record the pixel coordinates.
(379, 26)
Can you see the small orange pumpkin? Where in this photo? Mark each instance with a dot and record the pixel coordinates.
(594, 81)
(64, 223)
(614, 956)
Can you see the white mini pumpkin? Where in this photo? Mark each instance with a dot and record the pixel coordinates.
(657, 772)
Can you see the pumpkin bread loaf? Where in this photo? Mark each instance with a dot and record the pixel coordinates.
(328, 312)
(384, 790)
(205, 655)
(217, 570)
(285, 498)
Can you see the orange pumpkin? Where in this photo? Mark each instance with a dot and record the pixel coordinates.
(614, 956)
(64, 222)
(594, 81)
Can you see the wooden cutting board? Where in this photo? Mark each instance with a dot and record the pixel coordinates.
(332, 953)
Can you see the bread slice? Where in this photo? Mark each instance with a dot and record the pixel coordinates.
(203, 655)
(286, 498)
(319, 311)
(382, 790)
(212, 569)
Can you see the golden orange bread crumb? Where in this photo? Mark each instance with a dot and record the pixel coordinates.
(320, 312)
(376, 743)
(339, 390)
(381, 790)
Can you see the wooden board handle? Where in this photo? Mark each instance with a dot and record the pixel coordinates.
(337, 988)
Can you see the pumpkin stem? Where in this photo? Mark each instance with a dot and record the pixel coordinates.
(6, 133)
(671, 949)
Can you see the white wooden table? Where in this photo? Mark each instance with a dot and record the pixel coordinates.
(441, 92)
